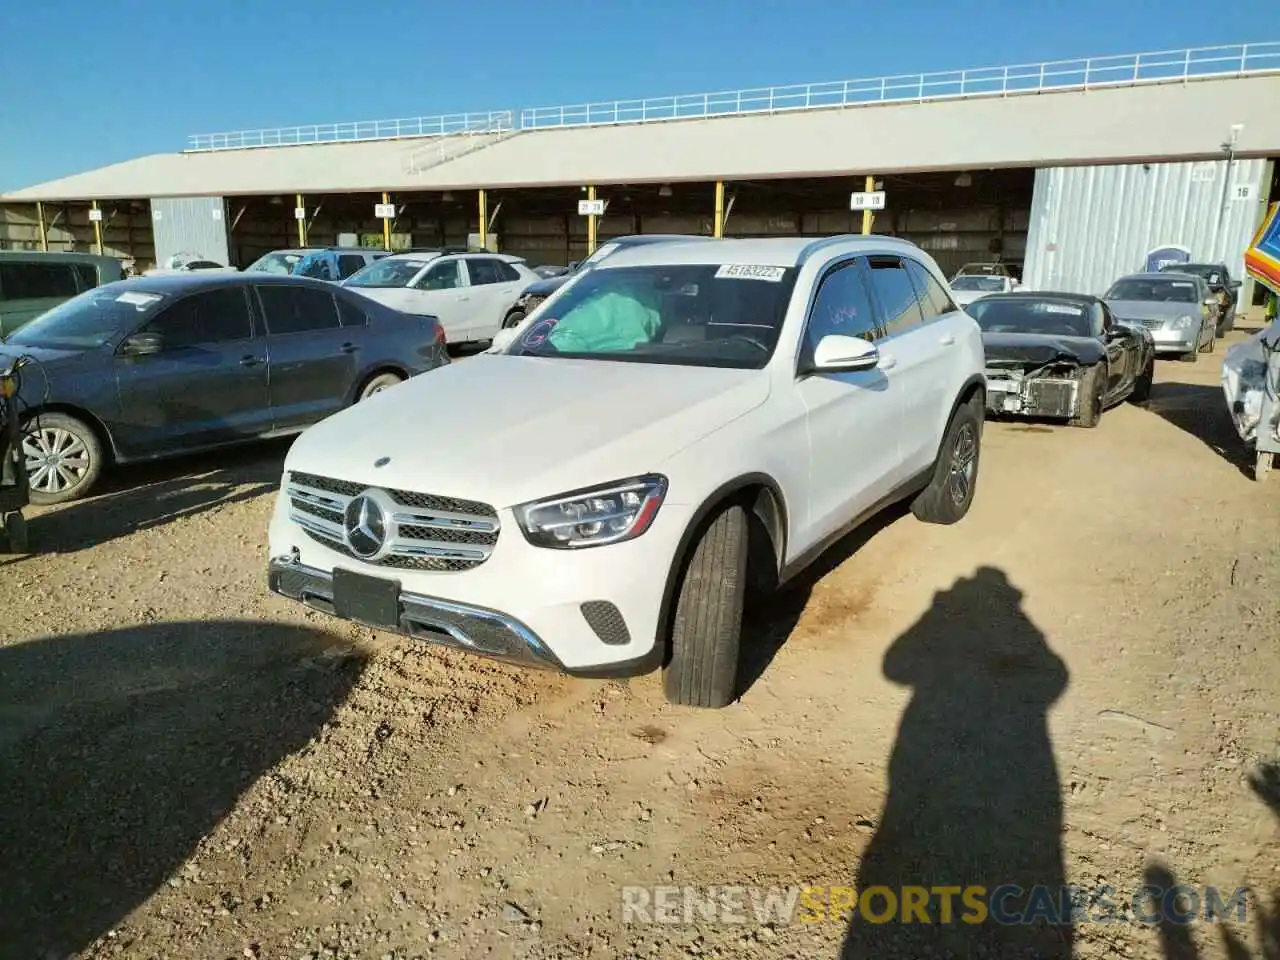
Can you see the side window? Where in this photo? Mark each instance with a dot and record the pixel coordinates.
(897, 296)
(87, 274)
(204, 319)
(509, 273)
(484, 271)
(349, 263)
(350, 314)
(440, 276)
(291, 309)
(317, 267)
(934, 300)
(841, 307)
(37, 281)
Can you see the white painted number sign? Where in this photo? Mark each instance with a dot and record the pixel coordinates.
(384, 211)
(300, 213)
(591, 208)
(867, 201)
(1243, 191)
(95, 215)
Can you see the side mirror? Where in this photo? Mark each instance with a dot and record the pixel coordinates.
(836, 352)
(142, 345)
(503, 339)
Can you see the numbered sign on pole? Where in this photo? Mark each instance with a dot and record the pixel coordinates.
(591, 208)
(384, 211)
(300, 213)
(95, 215)
(867, 201)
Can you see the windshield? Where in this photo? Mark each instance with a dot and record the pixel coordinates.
(975, 282)
(1053, 317)
(1167, 291)
(981, 269)
(281, 263)
(89, 320)
(386, 273)
(1207, 271)
(696, 315)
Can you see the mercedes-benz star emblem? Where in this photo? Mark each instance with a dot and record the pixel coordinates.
(365, 524)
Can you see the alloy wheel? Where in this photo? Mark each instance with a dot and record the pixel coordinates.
(964, 460)
(56, 459)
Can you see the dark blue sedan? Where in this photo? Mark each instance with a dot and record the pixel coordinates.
(161, 366)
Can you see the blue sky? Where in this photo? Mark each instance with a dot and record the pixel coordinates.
(88, 83)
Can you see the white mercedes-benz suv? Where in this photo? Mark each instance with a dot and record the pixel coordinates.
(684, 423)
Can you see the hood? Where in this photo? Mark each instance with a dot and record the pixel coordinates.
(505, 430)
(966, 297)
(1031, 350)
(1152, 309)
(544, 288)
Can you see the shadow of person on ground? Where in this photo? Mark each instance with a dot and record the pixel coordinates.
(1201, 410)
(120, 750)
(974, 795)
(770, 620)
(136, 498)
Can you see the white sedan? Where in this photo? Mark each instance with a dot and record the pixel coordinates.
(968, 287)
(468, 293)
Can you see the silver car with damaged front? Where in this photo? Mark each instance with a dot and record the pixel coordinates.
(1179, 309)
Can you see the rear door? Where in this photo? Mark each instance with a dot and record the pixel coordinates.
(444, 294)
(28, 288)
(312, 358)
(207, 385)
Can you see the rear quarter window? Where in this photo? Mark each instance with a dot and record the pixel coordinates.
(37, 281)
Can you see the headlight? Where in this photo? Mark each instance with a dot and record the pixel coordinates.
(1183, 322)
(609, 513)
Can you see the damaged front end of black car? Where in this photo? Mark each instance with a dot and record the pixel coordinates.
(1042, 379)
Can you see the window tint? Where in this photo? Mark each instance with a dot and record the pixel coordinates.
(87, 274)
(318, 267)
(440, 276)
(508, 272)
(352, 316)
(896, 295)
(35, 281)
(349, 263)
(484, 271)
(933, 298)
(215, 316)
(291, 309)
(841, 307)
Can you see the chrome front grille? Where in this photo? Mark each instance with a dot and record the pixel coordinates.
(424, 531)
(1151, 323)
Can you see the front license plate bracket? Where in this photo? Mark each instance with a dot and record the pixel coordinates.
(369, 600)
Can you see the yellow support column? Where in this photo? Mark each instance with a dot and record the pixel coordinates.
(484, 219)
(867, 215)
(44, 230)
(300, 204)
(386, 223)
(719, 227)
(591, 223)
(97, 229)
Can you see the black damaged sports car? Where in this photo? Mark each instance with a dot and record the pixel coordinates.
(1061, 355)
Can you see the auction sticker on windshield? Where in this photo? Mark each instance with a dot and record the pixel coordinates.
(139, 300)
(1062, 308)
(751, 271)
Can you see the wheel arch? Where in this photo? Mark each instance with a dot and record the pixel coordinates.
(762, 497)
(374, 370)
(91, 420)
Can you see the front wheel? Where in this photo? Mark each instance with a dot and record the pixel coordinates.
(1092, 388)
(949, 494)
(707, 631)
(1142, 385)
(63, 458)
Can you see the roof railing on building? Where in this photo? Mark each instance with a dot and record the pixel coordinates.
(1121, 70)
(498, 121)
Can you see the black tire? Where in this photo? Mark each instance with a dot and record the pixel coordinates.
(706, 632)
(376, 384)
(1092, 388)
(1142, 385)
(513, 319)
(950, 492)
(81, 457)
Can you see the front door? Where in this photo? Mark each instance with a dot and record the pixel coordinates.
(312, 358)
(207, 385)
(441, 292)
(853, 416)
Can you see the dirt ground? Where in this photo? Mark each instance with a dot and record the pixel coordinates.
(1080, 683)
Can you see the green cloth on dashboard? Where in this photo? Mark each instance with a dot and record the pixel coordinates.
(608, 323)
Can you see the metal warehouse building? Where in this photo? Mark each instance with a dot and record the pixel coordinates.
(1074, 169)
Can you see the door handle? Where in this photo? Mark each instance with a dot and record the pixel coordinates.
(250, 361)
(887, 362)
(947, 340)
(349, 348)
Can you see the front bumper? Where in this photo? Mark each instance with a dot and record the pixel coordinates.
(1176, 341)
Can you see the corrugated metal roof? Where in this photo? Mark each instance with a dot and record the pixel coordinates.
(1132, 123)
